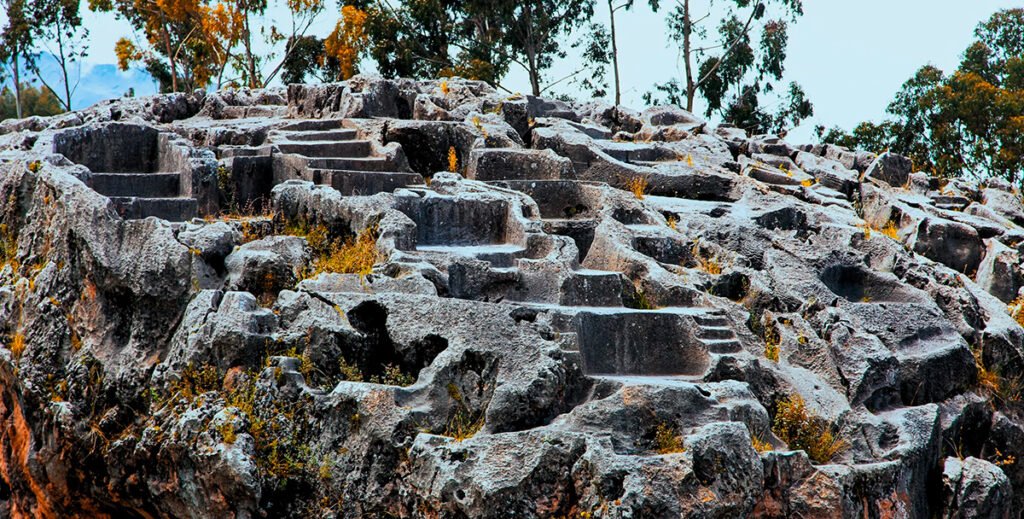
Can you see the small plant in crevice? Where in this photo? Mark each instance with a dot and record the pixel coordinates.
(801, 429)
(1016, 310)
(462, 424)
(638, 186)
(759, 444)
(711, 264)
(671, 221)
(1005, 390)
(227, 189)
(393, 376)
(667, 440)
(890, 230)
(354, 255)
(17, 345)
(8, 248)
(453, 160)
(349, 372)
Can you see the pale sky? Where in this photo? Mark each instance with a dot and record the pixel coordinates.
(850, 56)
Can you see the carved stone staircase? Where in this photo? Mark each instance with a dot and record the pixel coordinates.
(324, 152)
(140, 195)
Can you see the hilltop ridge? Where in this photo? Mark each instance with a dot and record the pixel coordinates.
(399, 298)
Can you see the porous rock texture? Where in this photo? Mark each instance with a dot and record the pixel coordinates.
(576, 310)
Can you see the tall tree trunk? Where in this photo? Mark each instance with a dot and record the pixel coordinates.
(531, 52)
(64, 68)
(250, 62)
(691, 88)
(615, 53)
(17, 87)
(171, 55)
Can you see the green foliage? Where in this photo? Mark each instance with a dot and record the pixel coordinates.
(34, 101)
(733, 74)
(667, 440)
(803, 430)
(475, 39)
(969, 122)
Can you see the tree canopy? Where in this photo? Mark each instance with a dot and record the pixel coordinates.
(966, 123)
(734, 71)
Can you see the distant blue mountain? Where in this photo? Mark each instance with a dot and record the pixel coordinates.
(98, 82)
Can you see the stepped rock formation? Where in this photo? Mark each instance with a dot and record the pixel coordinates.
(576, 310)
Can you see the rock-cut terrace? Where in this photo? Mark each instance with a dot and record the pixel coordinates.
(569, 310)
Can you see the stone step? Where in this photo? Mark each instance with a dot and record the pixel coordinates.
(312, 125)
(637, 342)
(712, 320)
(351, 163)
(326, 135)
(715, 332)
(338, 149)
(722, 345)
(149, 185)
(499, 255)
(170, 209)
(592, 288)
(365, 183)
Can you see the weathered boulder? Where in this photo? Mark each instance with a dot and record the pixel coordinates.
(975, 488)
(890, 168)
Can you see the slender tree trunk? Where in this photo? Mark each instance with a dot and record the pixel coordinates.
(64, 68)
(691, 88)
(171, 55)
(615, 53)
(17, 87)
(531, 52)
(250, 62)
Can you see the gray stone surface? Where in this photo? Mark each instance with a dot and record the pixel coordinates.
(592, 315)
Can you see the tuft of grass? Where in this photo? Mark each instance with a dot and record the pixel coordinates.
(1003, 389)
(453, 160)
(637, 186)
(353, 256)
(808, 183)
(8, 248)
(227, 432)
(445, 88)
(759, 444)
(349, 372)
(801, 429)
(771, 351)
(1016, 310)
(711, 264)
(17, 345)
(666, 440)
(35, 166)
(671, 222)
(461, 426)
(393, 376)
(890, 230)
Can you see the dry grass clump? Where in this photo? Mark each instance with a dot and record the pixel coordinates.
(666, 441)
(355, 255)
(8, 248)
(801, 429)
(890, 230)
(712, 264)
(1003, 389)
(453, 160)
(1016, 310)
(461, 424)
(637, 186)
(17, 345)
(759, 444)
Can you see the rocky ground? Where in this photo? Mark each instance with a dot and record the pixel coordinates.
(427, 299)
